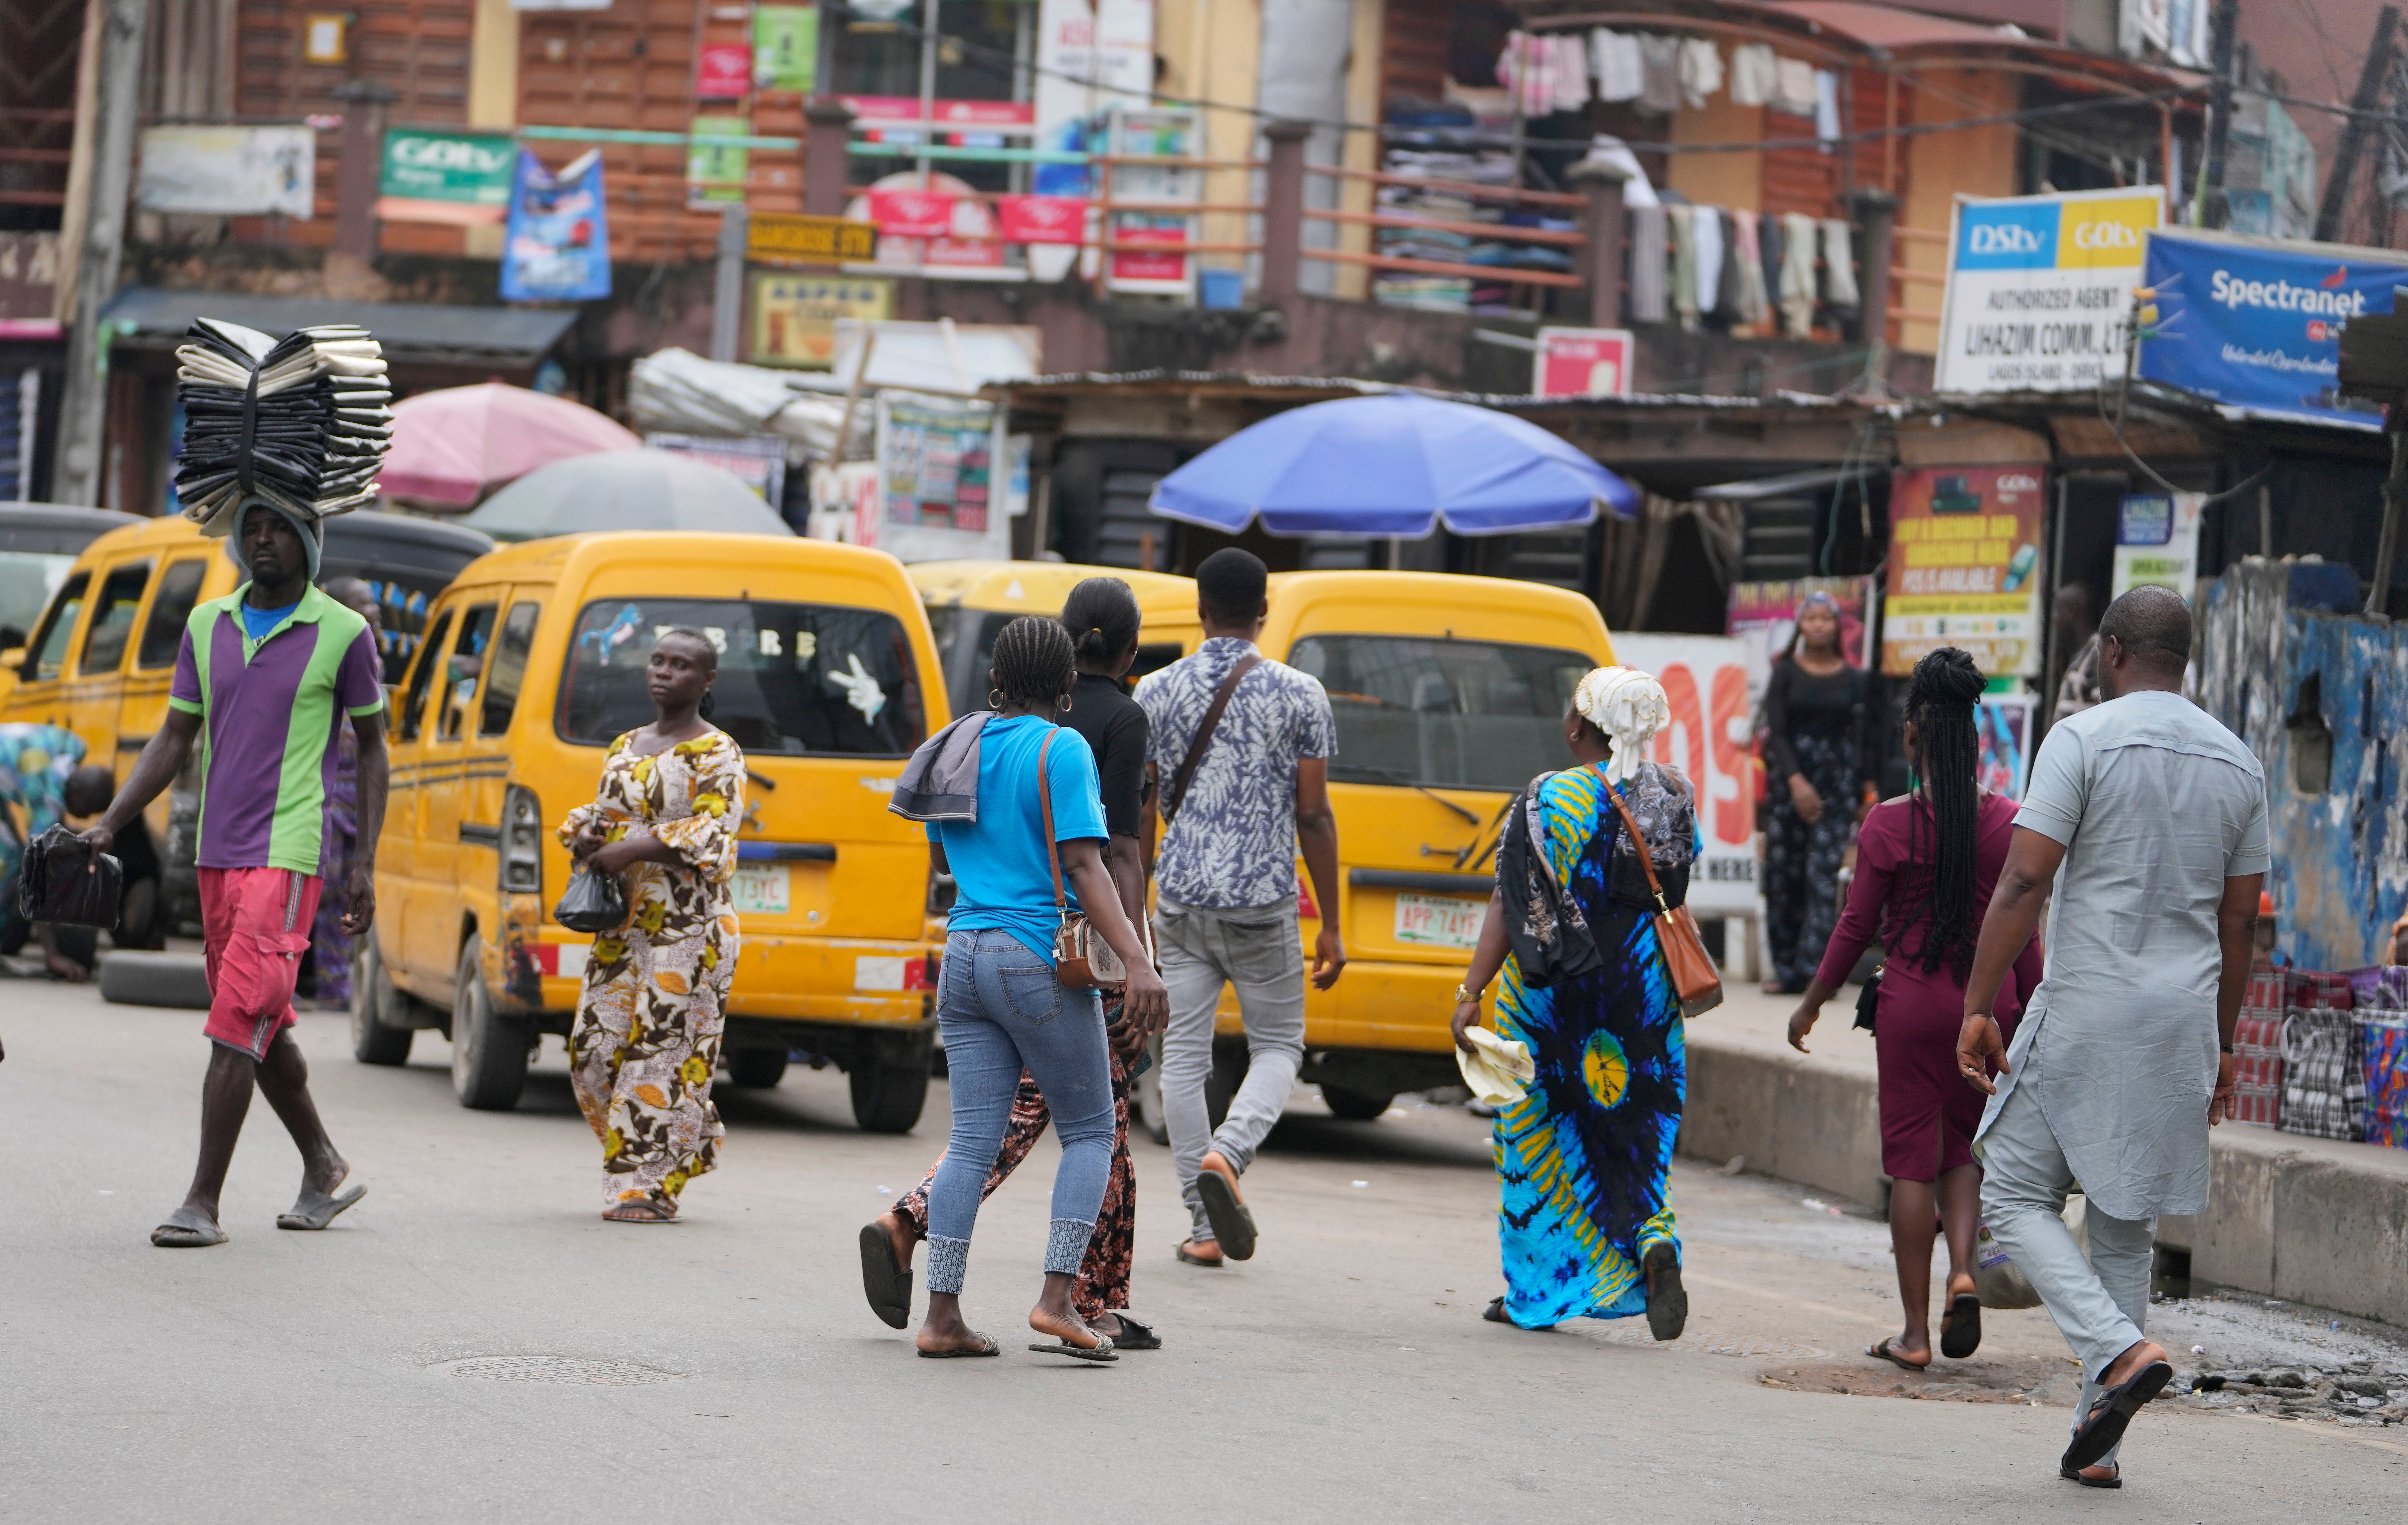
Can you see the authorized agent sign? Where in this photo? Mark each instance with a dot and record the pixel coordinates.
(2039, 289)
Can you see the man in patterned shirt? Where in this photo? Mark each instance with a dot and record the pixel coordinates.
(1226, 887)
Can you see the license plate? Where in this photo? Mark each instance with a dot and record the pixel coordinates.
(1439, 921)
(762, 888)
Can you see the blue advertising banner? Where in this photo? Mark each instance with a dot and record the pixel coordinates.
(559, 243)
(2258, 326)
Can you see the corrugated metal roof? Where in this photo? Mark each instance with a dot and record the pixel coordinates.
(408, 330)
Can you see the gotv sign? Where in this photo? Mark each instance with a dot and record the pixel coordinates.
(2039, 288)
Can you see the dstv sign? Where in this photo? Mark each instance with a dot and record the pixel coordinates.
(2055, 233)
(2039, 288)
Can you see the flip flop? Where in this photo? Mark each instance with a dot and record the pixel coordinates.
(2075, 1475)
(1135, 1334)
(1102, 1350)
(654, 1216)
(1494, 1313)
(1884, 1352)
(886, 1285)
(1181, 1252)
(1233, 1227)
(315, 1209)
(1668, 1302)
(186, 1236)
(2107, 1418)
(986, 1348)
(1960, 1327)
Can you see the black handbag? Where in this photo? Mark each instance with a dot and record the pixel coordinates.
(592, 902)
(1869, 999)
(64, 882)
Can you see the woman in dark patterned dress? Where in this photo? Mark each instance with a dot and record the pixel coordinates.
(1818, 762)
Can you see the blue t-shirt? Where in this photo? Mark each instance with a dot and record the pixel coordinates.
(1002, 876)
(258, 622)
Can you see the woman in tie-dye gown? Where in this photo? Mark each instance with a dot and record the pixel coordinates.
(1585, 1218)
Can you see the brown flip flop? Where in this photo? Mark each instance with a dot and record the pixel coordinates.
(1884, 1352)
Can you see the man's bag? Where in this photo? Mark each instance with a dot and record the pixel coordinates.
(66, 883)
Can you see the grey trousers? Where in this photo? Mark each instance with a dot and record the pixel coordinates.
(1259, 950)
(2100, 1304)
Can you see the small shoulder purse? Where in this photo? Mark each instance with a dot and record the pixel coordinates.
(1695, 980)
(1082, 961)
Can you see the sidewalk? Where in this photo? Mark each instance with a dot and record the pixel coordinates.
(2307, 1220)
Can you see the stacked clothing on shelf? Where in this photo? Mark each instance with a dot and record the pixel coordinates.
(300, 421)
(1440, 204)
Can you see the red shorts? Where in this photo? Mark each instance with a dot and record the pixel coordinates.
(255, 928)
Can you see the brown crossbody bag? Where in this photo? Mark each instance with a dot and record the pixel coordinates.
(1082, 961)
(1177, 794)
(1695, 980)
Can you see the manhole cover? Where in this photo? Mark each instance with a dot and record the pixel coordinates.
(607, 1374)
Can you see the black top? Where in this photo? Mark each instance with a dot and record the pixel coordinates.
(1800, 703)
(1116, 729)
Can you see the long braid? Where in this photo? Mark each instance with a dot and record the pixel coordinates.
(1033, 662)
(1940, 700)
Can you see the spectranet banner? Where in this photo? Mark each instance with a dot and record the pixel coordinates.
(1964, 565)
(2039, 288)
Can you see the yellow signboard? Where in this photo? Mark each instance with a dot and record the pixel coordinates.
(795, 317)
(789, 236)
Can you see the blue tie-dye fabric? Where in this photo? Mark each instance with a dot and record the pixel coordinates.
(1582, 1158)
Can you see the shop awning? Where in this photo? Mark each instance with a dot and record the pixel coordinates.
(149, 317)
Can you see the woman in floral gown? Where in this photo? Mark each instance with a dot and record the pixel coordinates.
(654, 1006)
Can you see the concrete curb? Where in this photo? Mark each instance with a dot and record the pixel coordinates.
(2307, 1220)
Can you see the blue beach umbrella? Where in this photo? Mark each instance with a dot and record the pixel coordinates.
(1392, 465)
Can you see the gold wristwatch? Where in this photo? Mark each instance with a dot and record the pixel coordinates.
(1464, 994)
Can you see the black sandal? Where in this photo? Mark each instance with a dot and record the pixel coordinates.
(1961, 1327)
(2109, 1417)
(1668, 1302)
(2075, 1475)
(1885, 1351)
(1496, 1314)
(886, 1285)
(1135, 1334)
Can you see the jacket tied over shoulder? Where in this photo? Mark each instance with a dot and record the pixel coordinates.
(940, 782)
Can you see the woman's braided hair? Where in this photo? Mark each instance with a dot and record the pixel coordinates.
(1103, 617)
(1940, 700)
(1033, 662)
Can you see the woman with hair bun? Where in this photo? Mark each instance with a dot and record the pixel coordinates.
(1925, 864)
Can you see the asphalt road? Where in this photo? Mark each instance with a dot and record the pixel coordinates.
(1344, 1375)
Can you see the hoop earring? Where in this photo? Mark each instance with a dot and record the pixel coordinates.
(1062, 704)
(994, 699)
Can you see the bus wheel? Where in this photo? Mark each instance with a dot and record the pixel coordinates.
(888, 1094)
(489, 1051)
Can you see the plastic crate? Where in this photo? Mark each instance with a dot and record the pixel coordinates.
(2324, 1074)
(2258, 1069)
(2386, 1067)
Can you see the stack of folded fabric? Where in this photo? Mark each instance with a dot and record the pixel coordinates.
(300, 421)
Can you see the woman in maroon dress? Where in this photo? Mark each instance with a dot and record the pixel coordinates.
(1925, 864)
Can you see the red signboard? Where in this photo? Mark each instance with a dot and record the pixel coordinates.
(1041, 220)
(902, 110)
(911, 214)
(1141, 228)
(723, 72)
(1583, 362)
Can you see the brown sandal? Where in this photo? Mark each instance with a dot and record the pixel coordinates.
(641, 1212)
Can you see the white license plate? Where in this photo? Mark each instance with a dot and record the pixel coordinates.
(1439, 921)
(765, 889)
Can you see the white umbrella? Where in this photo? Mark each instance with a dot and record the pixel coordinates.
(625, 489)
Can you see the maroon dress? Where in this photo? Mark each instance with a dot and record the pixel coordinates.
(1915, 1026)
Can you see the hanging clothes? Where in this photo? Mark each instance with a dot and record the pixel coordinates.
(1524, 69)
(1729, 282)
(1753, 68)
(1797, 288)
(1684, 263)
(1659, 74)
(1827, 107)
(1746, 264)
(1568, 71)
(1701, 71)
(1615, 58)
(1707, 228)
(1793, 90)
(1839, 266)
(1647, 265)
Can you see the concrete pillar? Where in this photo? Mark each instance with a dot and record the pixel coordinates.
(1877, 238)
(829, 132)
(360, 171)
(1284, 211)
(1601, 225)
(117, 26)
(727, 282)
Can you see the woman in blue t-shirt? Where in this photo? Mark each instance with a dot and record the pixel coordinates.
(1001, 1006)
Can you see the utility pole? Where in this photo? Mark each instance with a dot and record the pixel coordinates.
(727, 282)
(2353, 129)
(2214, 211)
(85, 406)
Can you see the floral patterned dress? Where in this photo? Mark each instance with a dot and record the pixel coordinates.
(654, 1005)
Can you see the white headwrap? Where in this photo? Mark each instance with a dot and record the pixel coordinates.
(1629, 707)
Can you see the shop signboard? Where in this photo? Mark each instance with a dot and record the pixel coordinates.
(795, 317)
(937, 470)
(722, 71)
(558, 243)
(1765, 615)
(1091, 55)
(1964, 567)
(715, 172)
(911, 214)
(2255, 325)
(1152, 204)
(758, 461)
(1041, 220)
(803, 239)
(2002, 732)
(2156, 542)
(1582, 363)
(438, 177)
(2039, 289)
(1705, 678)
(786, 48)
(229, 171)
(891, 111)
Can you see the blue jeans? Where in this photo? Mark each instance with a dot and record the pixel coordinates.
(1001, 1011)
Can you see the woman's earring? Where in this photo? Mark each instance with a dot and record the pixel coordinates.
(994, 699)
(1062, 704)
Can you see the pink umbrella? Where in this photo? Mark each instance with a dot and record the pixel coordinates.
(452, 448)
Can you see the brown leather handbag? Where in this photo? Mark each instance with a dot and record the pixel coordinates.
(1695, 980)
(1082, 961)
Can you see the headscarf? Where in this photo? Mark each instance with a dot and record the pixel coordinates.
(1628, 707)
(303, 525)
